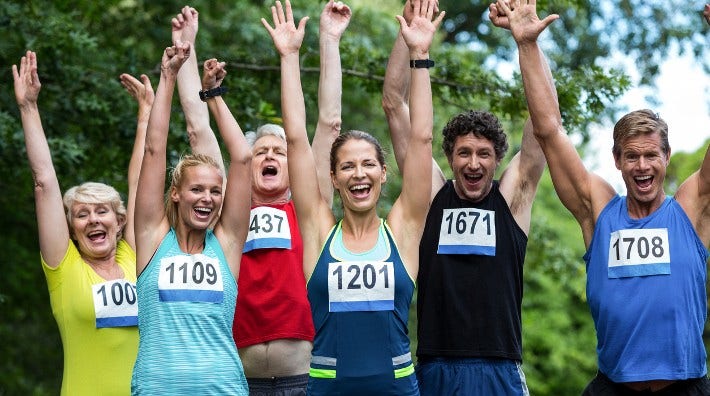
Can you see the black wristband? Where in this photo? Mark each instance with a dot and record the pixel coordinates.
(211, 93)
(421, 63)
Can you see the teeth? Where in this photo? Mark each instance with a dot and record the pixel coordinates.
(642, 177)
(359, 187)
(205, 210)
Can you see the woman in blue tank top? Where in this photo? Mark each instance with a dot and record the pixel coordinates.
(360, 270)
(187, 254)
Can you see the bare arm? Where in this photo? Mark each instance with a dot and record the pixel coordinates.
(694, 194)
(233, 225)
(409, 211)
(151, 224)
(333, 22)
(582, 192)
(395, 102)
(51, 221)
(313, 213)
(199, 132)
(142, 92)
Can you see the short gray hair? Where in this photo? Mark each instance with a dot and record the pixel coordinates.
(265, 130)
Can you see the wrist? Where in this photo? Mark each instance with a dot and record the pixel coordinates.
(213, 92)
(421, 63)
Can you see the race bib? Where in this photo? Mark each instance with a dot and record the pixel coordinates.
(468, 231)
(639, 252)
(115, 304)
(190, 278)
(361, 286)
(268, 228)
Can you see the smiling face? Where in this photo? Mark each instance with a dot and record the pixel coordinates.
(358, 174)
(198, 197)
(643, 162)
(269, 165)
(95, 229)
(473, 161)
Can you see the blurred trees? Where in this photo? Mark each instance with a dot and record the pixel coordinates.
(82, 47)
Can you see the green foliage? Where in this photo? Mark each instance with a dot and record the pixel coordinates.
(89, 120)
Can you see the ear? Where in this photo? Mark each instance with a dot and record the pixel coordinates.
(617, 161)
(334, 180)
(174, 196)
(383, 179)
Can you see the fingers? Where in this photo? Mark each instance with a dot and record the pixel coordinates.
(302, 22)
(289, 11)
(146, 82)
(267, 26)
(549, 19)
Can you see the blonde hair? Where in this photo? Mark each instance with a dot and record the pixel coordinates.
(95, 193)
(176, 179)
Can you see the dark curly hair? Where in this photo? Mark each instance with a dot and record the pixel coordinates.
(481, 124)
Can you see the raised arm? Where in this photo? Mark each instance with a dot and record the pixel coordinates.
(333, 21)
(313, 213)
(694, 194)
(142, 91)
(151, 224)
(582, 192)
(202, 138)
(519, 181)
(51, 221)
(233, 225)
(409, 211)
(395, 101)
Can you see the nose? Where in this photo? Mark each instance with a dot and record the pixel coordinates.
(473, 162)
(643, 162)
(93, 217)
(270, 154)
(359, 171)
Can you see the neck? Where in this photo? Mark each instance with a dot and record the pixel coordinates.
(258, 199)
(639, 210)
(358, 224)
(191, 241)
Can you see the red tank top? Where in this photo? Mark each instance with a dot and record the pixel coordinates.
(272, 300)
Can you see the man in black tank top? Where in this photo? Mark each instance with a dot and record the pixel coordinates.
(470, 281)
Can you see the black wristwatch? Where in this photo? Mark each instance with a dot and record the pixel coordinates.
(211, 93)
(421, 63)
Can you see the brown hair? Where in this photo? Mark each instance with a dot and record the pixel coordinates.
(638, 123)
(480, 123)
(354, 134)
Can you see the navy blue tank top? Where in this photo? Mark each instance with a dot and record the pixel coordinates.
(360, 304)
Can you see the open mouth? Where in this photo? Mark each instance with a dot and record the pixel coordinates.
(202, 213)
(360, 190)
(643, 181)
(269, 170)
(473, 178)
(96, 236)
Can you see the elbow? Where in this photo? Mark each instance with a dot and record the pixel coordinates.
(390, 104)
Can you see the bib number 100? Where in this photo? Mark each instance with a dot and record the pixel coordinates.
(119, 292)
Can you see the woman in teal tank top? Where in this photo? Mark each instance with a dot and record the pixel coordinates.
(358, 171)
(187, 254)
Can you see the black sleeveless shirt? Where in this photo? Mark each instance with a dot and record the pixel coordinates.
(469, 305)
